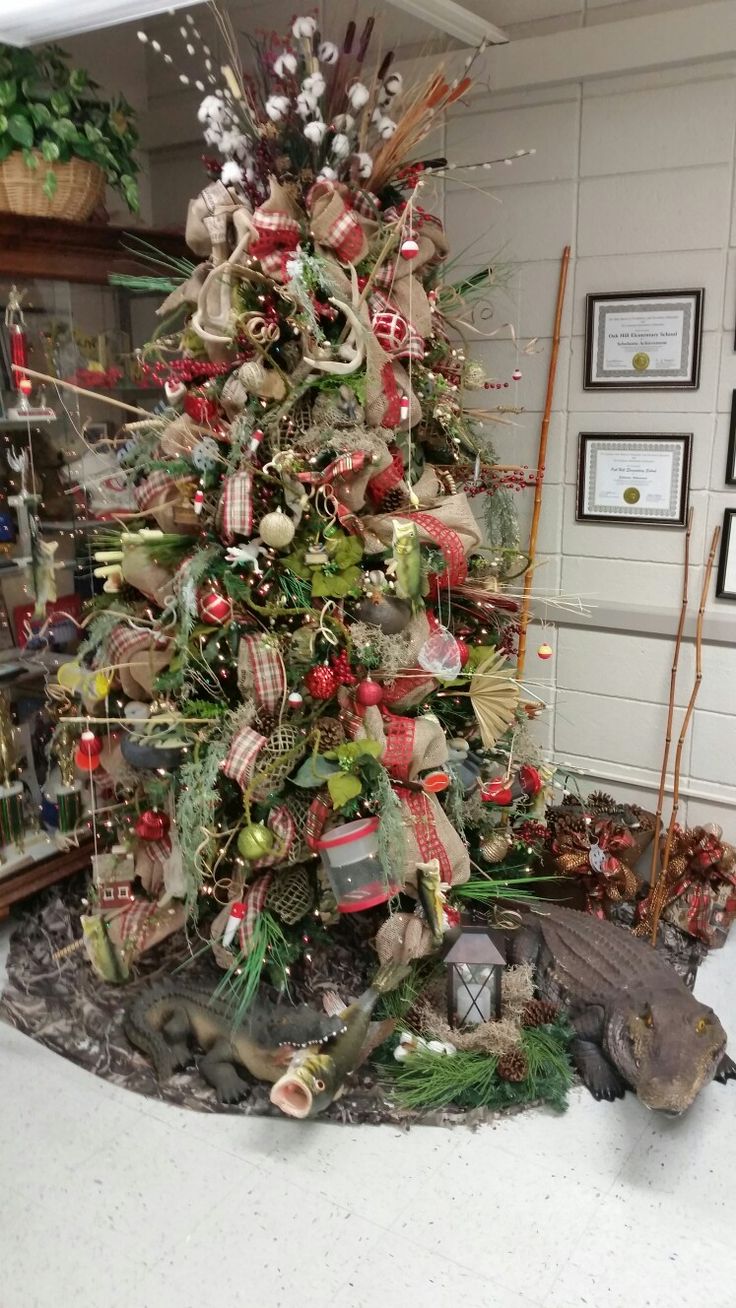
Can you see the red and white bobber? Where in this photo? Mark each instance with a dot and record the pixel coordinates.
(89, 749)
(409, 248)
(544, 651)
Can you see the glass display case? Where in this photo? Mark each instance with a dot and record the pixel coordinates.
(59, 474)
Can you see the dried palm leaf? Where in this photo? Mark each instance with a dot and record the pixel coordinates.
(494, 696)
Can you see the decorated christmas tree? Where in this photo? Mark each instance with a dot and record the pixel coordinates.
(301, 716)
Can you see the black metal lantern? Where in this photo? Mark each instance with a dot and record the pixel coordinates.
(474, 963)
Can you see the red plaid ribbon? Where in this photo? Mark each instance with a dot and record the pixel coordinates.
(365, 204)
(317, 815)
(123, 642)
(397, 757)
(405, 683)
(235, 510)
(157, 489)
(261, 668)
(343, 466)
(244, 750)
(255, 902)
(385, 481)
(281, 822)
(344, 235)
(277, 236)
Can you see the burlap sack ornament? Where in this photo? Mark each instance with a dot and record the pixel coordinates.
(179, 438)
(208, 218)
(187, 293)
(169, 501)
(453, 515)
(151, 579)
(403, 937)
(336, 224)
(406, 291)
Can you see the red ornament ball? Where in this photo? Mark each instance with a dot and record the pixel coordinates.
(369, 693)
(321, 682)
(464, 651)
(152, 825)
(529, 780)
(86, 762)
(497, 791)
(409, 248)
(544, 651)
(215, 608)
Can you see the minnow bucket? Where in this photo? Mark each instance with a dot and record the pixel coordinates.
(350, 858)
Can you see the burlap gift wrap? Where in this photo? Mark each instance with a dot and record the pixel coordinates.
(412, 746)
(151, 579)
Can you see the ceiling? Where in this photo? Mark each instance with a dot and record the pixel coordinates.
(25, 22)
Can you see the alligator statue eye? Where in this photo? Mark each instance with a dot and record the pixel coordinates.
(701, 1026)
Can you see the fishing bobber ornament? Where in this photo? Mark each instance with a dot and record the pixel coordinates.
(198, 500)
(174, 392)
(404, 408)
(233, 924)
(215, 608)
(544, 651)
(295, 699)
(409, 248)
(276, 530)
(87, 756)
(516, 374)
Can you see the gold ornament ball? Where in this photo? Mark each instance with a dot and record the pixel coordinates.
(495, 847)
(255, 841)
(276, 530)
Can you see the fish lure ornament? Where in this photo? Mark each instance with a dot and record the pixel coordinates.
(406, 564)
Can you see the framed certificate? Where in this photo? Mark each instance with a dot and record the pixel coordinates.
(731, 456)
(726, 579)
(643, 340)
(634, 478)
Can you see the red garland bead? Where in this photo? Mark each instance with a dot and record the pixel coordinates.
(344, 674)
(152, 825)
(321, 682)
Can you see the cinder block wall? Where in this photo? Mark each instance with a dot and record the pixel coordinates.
(637, 174)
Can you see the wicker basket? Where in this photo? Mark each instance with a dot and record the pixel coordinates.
(80, 188)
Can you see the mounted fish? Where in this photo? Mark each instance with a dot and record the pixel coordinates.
(406, 564)
(315, 1079)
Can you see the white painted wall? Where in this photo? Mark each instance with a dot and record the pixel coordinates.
(637, 174)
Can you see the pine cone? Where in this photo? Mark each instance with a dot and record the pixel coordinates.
(602, 802)
(564, 824)
(538, 1012)
(331, 734)
(392, 500)
(513, 1066)
(266, 723)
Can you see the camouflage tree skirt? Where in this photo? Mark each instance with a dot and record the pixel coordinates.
(63, 1005)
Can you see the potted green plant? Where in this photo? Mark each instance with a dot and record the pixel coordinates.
(60, 141)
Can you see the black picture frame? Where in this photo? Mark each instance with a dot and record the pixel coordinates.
(627, 514)
(631, 381)
(728, 543)
(731, 455)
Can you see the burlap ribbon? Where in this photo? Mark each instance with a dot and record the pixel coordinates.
(450, 526)
(141, 572)
(168, 500)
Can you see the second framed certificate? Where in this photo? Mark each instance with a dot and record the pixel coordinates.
(643, 340)
(642, 478)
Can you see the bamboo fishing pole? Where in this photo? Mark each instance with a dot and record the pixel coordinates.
(654, 872)
(541, 458)
(660, 894)
(80, 390)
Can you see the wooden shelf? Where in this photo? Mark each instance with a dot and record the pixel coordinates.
(75, 252)
(37, 875)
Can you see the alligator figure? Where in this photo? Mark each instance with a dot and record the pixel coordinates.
(168, 1019)
(636, 1025)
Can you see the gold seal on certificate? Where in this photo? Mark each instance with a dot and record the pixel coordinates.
(641, 478)
(643, 339)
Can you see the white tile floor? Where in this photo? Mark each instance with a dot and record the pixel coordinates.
(113, 1201)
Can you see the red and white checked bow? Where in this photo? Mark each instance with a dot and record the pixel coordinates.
(235, 510)
(395, 334)
(261, 670)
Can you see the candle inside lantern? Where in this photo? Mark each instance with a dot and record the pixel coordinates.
(473, 995)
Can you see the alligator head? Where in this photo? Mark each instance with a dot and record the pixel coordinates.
(666, 1044)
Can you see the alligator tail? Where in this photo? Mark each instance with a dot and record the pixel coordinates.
(145, 1036)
